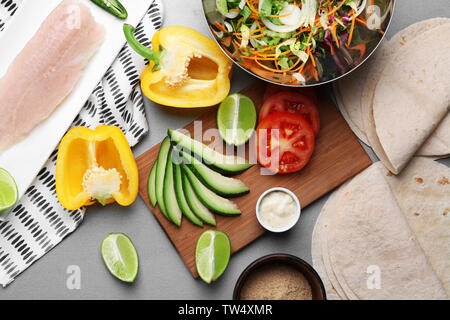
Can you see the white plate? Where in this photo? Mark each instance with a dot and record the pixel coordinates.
(25, 159)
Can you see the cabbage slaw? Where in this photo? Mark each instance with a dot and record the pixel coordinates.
(292, 38)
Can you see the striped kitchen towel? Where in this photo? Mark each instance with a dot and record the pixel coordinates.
(7, 9)
(38, 222)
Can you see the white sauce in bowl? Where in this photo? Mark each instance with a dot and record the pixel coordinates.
(278, 210)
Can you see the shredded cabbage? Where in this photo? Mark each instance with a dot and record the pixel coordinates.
(324, 21)
(289, 42)
(292, 17)
(294, 46)
(245, 31)
(299, 78)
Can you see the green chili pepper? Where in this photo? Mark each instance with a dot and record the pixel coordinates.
(114, 7)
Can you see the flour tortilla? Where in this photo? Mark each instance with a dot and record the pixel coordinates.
(369, 229)
(317, 258)
(332, 286)
(354, 94)
(373, 73)
(374, 70)
(409, 102)
(438, 144)
(328, 222)
(347, 91)
(423, 193)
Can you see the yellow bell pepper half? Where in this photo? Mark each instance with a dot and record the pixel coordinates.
(95, 165)
(187, 69)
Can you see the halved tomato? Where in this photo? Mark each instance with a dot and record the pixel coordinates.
(295, 103)
(307, 91)
(284, 142)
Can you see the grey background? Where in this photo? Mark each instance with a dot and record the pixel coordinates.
(162, 273)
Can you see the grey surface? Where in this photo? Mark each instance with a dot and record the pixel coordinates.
(162, 273)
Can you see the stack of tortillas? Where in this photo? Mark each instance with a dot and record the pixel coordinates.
(382, 236)
(398, 101)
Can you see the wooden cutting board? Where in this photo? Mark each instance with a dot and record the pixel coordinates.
(338, 156)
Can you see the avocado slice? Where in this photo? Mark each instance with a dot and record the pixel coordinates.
(160, 173)
(151, 185)
(218, 183)
(183, 204)
(170, 199)
(195, 204)
(225, 164)
(211, 200)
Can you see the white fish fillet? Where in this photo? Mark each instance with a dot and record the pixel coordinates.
(47, 70)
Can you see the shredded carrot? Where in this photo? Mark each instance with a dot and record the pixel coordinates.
(309, 37)
(279, 16)
(336, 8)
(311, 72)
(251, 7)
(350, 36)
(295, 64)
(273, 55)
(252, 57)
(312, 58)
(251, 32)
(236, 45)
(239, 21)
(220, 27)
(365, 24)
(333, 32)
(361, 21)
(266, 67)
(301, 31)
(257, 36)
(360, 47)
(266, 49)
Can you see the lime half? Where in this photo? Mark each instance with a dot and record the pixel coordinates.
(212, 255)
(236, 119)
(8, 191)
(120, 256)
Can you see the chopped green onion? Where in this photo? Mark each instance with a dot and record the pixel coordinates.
(246, 12)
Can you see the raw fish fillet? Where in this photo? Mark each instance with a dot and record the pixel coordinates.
(47, 70)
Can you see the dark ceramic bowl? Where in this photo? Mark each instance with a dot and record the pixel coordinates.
(332, 66)
(318, 290)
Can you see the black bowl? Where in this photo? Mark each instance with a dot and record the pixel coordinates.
(318, 290)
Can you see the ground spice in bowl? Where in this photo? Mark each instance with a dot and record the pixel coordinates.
(276, 281)
(279, 276)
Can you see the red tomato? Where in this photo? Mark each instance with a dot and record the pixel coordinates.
(307, 91)
(295, 103)
(284, 142)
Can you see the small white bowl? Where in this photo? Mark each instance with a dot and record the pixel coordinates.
(297, 212)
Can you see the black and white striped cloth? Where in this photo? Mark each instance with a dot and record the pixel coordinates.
(38, 222)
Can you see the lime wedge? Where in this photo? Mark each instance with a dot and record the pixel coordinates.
(222, 6)
(8, 191)
(236, 119)
(212, 255)
(120, 256)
